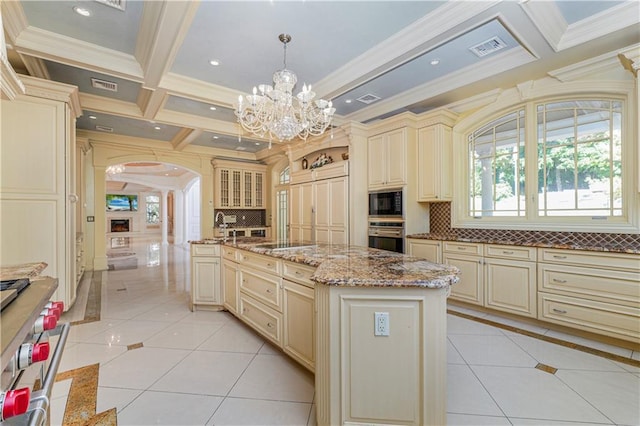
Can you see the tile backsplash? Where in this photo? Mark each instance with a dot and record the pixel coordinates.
(440, 223)
(251, 217)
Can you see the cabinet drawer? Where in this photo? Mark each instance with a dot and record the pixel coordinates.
(229, 253)
(265, 288)
(630, 262)
(205, 249)
(466, 248)
(510, 252)
(597, 284)
(622, 322)
(258, 261)
(298, 273)
(262, 318)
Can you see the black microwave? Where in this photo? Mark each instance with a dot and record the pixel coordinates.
(385, 203)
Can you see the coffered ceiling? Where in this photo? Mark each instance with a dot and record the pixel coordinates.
(399, 55)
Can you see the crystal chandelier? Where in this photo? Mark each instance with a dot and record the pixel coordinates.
(115, 169)
(276, 112)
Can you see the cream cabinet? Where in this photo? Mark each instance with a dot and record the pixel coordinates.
(230, 279)
(320, 206)
(510, 279)
(239, 185)
(467, 257)
(387, 159)
(299, 316)
(38, 183)
(591, 291)
(434, 163)
(206, 288)
(427, 249)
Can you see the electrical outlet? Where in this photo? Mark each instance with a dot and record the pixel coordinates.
(381, 324)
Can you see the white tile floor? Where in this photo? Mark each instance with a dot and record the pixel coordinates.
(208, 368)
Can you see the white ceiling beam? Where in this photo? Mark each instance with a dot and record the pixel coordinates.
(110, 106)
(197, 122)
(400, 47)
(184, 138)
(163, 27)
(59, 48)
(199, 90)
(35, 66)
(151, 101)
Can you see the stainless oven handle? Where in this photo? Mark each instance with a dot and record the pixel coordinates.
(386, 233)
(39, 403)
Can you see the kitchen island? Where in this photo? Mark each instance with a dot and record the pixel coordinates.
(370, 323)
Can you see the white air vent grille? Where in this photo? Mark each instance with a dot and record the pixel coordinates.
(104, 128)
(104, 85)
(117, 4)
(368, 98)
(489, 46)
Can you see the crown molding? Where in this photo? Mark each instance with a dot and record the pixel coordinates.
(406, 44)
(48, 89)
(501, 62)
(151, 101)
(35, 66)
(437, 116)
(198, 90)
(474, 102)
(546, 16)
(163, 28)
(59, 48)
(581, 70)
(10, 84)
(14, 21)
(630, 59)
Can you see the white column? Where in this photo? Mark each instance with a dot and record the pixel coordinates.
(178, 217)
(165, 217)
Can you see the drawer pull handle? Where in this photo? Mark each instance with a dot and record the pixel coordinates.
(269, 325)
(462, 248)
(507, 252)
(269, 291)
(555, 256)
(559, 311)
(557, 280)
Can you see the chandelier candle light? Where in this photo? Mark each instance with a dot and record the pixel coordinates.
(275, 112)
(115, 169)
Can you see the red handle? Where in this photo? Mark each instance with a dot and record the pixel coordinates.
(40, 352)
(15, 402)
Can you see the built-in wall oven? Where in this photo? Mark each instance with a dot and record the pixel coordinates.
(386, 234)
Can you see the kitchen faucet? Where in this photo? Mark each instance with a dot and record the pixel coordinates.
(223, 226)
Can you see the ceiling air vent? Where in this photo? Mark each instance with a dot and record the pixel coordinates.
(117, 4)
(489, 46)
(368, 98)
(104, 84)
(104, 128)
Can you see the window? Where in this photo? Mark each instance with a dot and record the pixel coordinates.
(282, 199)
(284, 176)
(545, 161)
(153, 209)
(580, 158)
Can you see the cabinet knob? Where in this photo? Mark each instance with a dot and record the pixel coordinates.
(269, 325)
(269, 291)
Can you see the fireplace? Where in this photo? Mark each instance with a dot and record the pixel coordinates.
(120, 225)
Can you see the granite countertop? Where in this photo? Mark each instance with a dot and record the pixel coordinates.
(613, 248)
(347, 265)
(24, 270)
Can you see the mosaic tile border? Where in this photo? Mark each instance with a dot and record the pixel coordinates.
(440, 223)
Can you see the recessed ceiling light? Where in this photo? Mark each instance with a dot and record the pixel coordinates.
(435, 61)
(175, 168)
(347, 101)
(214, 62)
(93, 117)
(216, 137)
(81, 11)
(258, 143)
(166, 174)
(212, 108)
(157, 127)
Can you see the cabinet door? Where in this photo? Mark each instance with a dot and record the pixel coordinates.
(298, 336)
(470, 288)
(206, 280)
(377, 161)
(434, 163)
(425, 249)
(259, 189)
(338, 202)
(236, 188)
(248, 189)
(230, 287)
(511, 286)
(306, 204)
(322, 202)
(396, 157)
(224, 182)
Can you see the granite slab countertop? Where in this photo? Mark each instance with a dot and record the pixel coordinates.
(613, 248)
(23, 270)
(355, 266)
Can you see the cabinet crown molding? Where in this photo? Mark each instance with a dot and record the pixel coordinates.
(54, 91)
(441, 116)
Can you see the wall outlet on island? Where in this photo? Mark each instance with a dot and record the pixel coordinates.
(381, 324)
